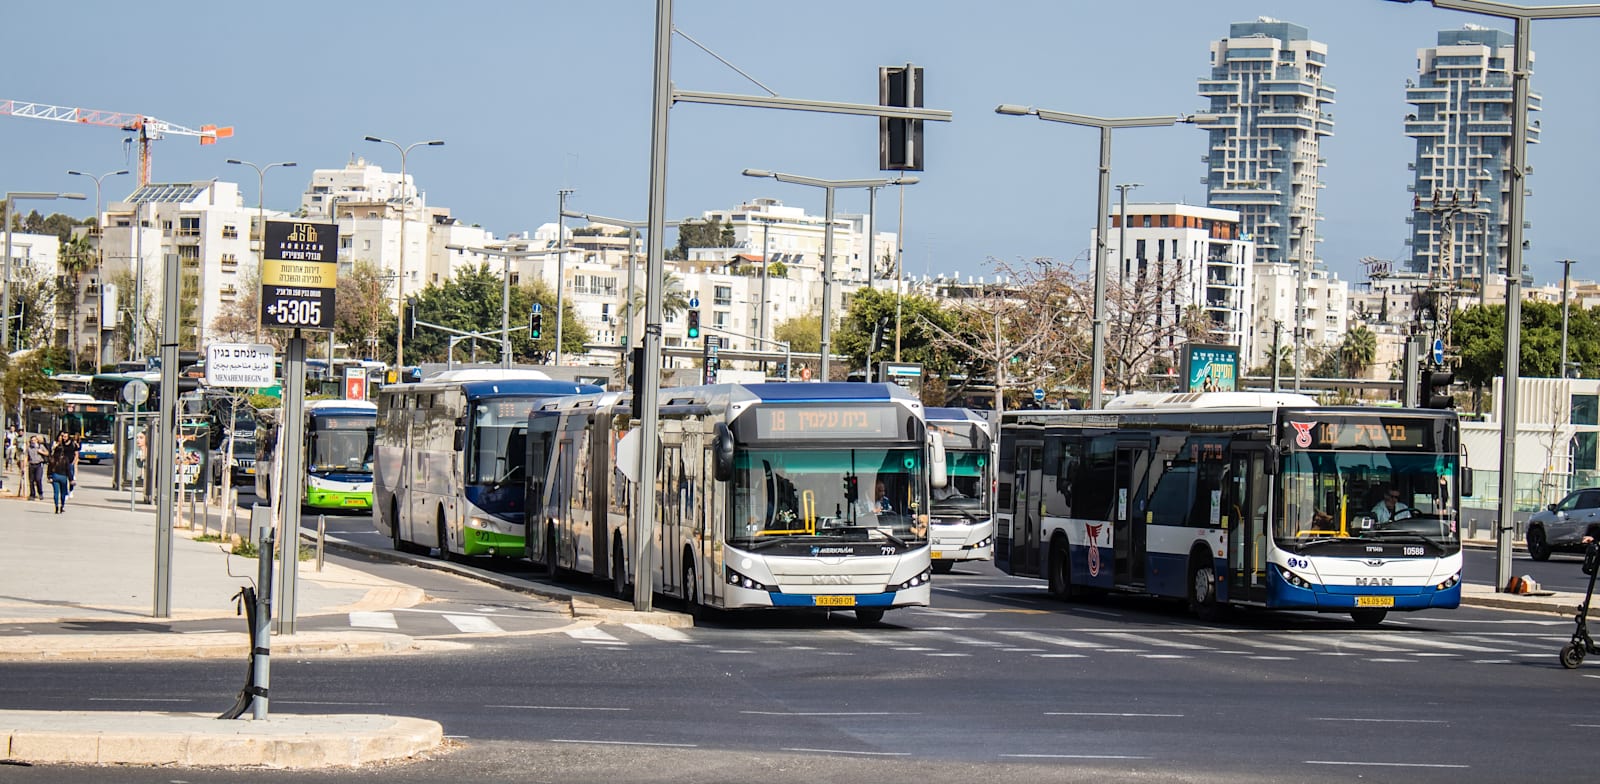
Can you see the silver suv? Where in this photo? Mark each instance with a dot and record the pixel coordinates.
(1560, 526)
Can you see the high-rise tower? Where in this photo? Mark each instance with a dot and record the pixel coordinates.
(1266, 89)
(1462, 124)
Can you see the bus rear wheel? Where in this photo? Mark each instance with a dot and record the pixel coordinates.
(1368, 619)
(1060, 571)
(1203, 590)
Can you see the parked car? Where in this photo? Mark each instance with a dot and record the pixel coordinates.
(244, 462)
(1560, 526)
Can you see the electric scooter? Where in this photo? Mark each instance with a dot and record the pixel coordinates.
(1582, 644)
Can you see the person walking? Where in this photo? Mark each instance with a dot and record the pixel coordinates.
(61, 470)
(38, 457)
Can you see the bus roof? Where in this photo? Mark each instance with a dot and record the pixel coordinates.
(341, 406)
(481, 385)
(1189, 401)
(955, 415)
(487, 374)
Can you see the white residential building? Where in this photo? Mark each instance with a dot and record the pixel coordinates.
(1326, 314)
(1200, 253)
(35, 259)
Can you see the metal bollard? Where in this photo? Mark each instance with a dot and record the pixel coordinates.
(322, 530)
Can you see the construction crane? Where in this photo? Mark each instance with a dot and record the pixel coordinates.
(148, 128)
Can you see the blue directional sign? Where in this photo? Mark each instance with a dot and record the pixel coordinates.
(1438, 351)
(1038, 395)
(694, 302)
(537, 308)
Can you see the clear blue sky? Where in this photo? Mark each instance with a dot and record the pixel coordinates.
(532, 97)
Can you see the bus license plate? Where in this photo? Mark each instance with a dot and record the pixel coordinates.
(1374, 601)
(834, 601)
(354, 502)
(937, 555)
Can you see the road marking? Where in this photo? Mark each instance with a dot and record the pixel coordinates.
(1060, 656)
(949, 654)
(859, 753)
(322, 702)
(1163, 656)
(952, 614)
(1267, 646)
(1272, 658)
(1149, 640)
(915, 649)
(373, 620)
(473, 624)
(1387, 764)
(556, 707)
(734, 651)
(662, 633)
(1381, 721)
(1118, 715)
(626, 743)
(593, 636)
(825, 713)
(1087, 611)
(1431, 643)
(1077, 756)
(140, 699)
(1052, 640)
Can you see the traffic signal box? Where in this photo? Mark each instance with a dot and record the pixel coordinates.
(535, 325)
(1433, 388)
(694, 323)
(899, 140)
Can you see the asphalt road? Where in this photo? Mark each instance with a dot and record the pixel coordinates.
(996, 680)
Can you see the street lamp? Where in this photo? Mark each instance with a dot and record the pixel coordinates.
(405, 202)
(99, 257)
(261, 226)
(561, 264)
(1097, 370)
(5, 299)
(828, 186)
(1523, 17)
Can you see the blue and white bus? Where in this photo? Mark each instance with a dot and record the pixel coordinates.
(449, 471)
(799, 496)
(1234, 498)
(962, 513)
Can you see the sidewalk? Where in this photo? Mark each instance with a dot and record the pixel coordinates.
(92, 569)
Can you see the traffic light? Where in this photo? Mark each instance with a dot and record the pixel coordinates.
(877, 335)
(899, 140)
(1434, 389)
(694, 323)
(411, 318)
(535, 325)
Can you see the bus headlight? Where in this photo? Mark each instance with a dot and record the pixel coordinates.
(740, 581)
(919, 580)
(1294, 579)
(1450, 583)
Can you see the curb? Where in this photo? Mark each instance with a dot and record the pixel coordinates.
(1558, 606)
(210, 645)
(284, 741)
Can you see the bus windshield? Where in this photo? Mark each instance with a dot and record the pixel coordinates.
(1344, 495)
(829, 494)
(89, 424)
(497, 451)
(967, 492)
(341, 444)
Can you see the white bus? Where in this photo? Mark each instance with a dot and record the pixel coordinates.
(1234, 498)
(449, 469)
(963, 517)
(800, 496)
(337, 450)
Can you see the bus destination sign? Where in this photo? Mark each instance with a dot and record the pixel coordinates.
(831, 422)
(1365, 434)
(298, 263)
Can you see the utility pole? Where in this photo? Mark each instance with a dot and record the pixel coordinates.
(561, 267)
(1566, 286)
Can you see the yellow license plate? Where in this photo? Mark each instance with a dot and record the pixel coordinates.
(1374, 601)
(937, 555)
(834, 601)
(249, 470)
(354, 502)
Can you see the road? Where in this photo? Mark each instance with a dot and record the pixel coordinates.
(997, 680)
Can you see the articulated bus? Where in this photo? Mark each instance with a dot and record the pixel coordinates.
(90, 421)
(800, 496)
(1233, 498)
(338, 447)
(450, 470)
(963, 520)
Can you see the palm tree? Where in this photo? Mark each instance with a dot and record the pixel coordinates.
(1356, 353)
(673, 298)
(77, 257)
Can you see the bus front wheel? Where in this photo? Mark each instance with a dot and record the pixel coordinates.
(444, 541)
(1368, 619)
(869, 616)
(1203, 590)
(691, 589)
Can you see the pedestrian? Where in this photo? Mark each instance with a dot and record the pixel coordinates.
(60, 470)
(72, 475)
(38, 457)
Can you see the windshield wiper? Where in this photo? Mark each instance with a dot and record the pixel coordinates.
(764, 542)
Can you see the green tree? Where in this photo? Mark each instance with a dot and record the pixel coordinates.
(362, 308)
(77, 257)
(711, 233)
(802, 333)
(921, 322)
(21, 375)
(1357, 351)
(1479, 336)
(471, 302)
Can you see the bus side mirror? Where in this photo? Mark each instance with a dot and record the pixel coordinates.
(459, 442)
(938, 470)
(722, 454)
(1466, 482)
(1274, 457)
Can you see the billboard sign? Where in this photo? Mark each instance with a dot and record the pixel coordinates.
(1209, 368)
(298, 263)
(240, 365)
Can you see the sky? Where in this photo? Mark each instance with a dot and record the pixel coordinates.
(537, 96)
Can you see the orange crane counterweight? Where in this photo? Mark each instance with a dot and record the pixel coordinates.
(148, 128)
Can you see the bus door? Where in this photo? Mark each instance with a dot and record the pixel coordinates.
(1127, 529)
(1028, 500)
(1246, 511)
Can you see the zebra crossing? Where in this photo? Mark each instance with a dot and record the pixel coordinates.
(1385, 647)
(434, 623)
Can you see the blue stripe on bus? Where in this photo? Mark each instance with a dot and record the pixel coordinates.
(1282, 595)
(808, 600)
(836, 390)
(525, 386)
